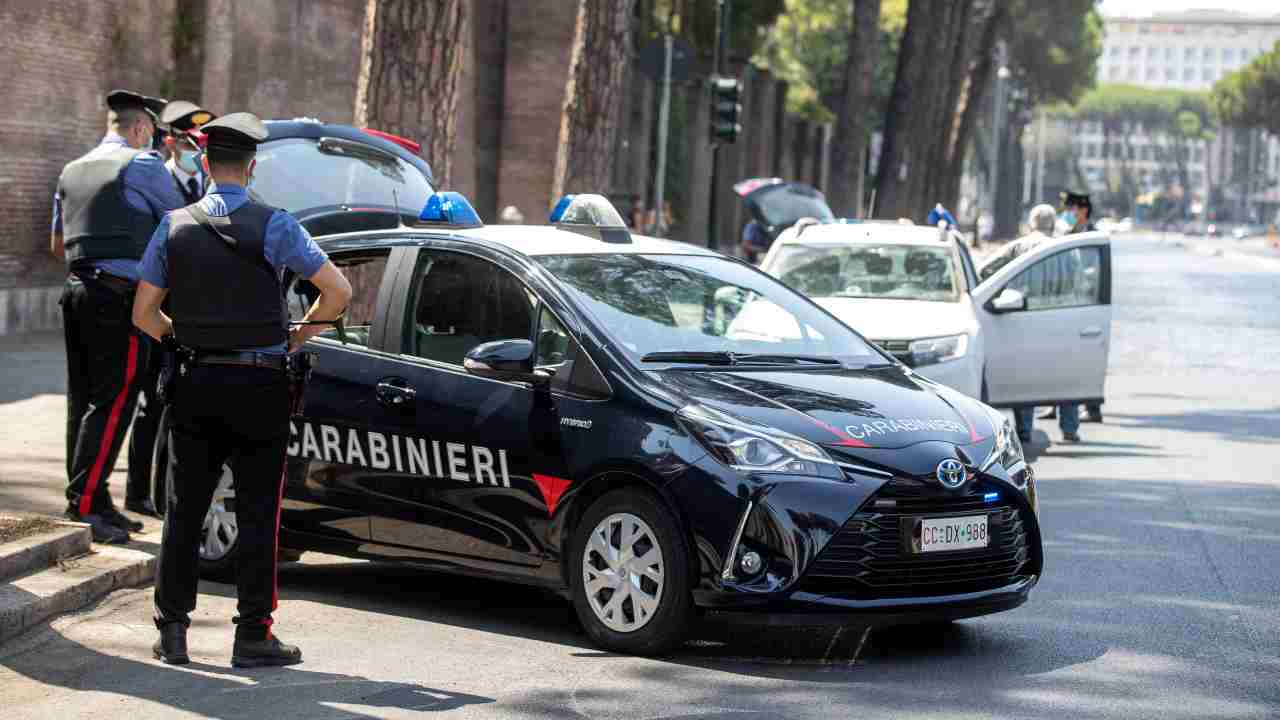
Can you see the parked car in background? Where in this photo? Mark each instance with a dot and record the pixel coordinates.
(1036, 331)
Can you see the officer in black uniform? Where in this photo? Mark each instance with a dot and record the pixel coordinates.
(180, 121)
(230, 399)
(106, 207)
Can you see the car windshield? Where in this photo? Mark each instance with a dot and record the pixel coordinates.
(900, 272)
(680, 304)
(298, 174)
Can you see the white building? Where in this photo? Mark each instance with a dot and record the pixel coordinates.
(1187, 50)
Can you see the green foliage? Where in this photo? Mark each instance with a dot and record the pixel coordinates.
(695, 21)
(807, 48)
(1250, 96)
(1054, 48)
(1183, 113)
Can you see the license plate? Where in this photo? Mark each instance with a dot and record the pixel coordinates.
(955, 533)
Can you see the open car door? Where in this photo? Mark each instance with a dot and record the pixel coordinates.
(1047, 320)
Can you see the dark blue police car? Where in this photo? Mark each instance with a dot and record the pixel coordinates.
(646, 426)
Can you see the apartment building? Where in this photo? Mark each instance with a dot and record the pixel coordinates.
(1191, 51)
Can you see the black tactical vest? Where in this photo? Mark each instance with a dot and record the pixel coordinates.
(97, 223)
(224, 296)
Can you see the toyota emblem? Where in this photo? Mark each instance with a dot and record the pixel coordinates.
(950, 473)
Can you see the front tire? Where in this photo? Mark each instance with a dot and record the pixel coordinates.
(630, 574)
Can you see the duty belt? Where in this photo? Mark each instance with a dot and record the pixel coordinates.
(121, 285)
(242, 359)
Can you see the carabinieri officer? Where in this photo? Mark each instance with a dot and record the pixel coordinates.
(220, 262)
(107, 205)
(181, 121)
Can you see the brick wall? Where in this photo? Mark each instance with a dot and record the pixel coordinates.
(61, 58)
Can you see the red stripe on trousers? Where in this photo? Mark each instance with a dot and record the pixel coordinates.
(275, 557)
(113, 421)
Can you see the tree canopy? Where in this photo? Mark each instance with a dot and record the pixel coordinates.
(1250, 96)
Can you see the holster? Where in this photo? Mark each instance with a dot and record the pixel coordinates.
(298, 368)
(173, 359)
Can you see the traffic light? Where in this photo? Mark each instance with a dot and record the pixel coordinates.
(725, 109)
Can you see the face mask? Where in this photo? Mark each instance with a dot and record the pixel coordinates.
(187, 160)
(1068, 217)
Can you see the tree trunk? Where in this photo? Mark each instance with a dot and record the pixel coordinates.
(411, 58)
(909, 85)
(940, 106)
(970, 99)
(593, 97)
(851, 122)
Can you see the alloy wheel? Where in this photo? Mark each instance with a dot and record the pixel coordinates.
(220, 528)
(623, 572)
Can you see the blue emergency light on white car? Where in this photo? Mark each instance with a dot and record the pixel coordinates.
(592, 215)
(450, 208)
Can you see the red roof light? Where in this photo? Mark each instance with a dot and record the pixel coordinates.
(406, 143)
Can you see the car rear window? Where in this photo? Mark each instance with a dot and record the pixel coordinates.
(300, 174)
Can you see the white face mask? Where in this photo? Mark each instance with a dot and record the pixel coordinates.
(187, 160)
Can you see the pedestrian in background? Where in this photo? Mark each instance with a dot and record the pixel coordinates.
(1079, 208)
(106, 206)
(230, 400)
(1041, 220)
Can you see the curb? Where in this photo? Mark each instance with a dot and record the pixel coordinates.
(43, 550)
(30, 600)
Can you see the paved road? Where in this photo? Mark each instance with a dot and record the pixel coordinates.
(1161, 596)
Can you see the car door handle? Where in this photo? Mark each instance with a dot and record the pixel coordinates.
(392, 392)
(1090, 332)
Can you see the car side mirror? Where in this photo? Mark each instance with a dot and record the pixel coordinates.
(1009, 300)
(510, 360)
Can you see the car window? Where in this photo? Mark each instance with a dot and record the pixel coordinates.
(572, 371)
(297, 174)
(664, 303)
(460, 301)
(890, 271)
(364, 271)
(1070, 278)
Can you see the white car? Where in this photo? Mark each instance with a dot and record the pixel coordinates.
(1035, 331)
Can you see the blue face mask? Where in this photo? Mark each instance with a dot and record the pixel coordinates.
(1068, 217)
(187, 160)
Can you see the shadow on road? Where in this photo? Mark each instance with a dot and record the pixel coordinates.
(213, 691)
(1237, 425)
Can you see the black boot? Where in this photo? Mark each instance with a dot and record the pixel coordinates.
(171, 648)
(119, 519)
(103, 531)
(142, 507)
(257, 647)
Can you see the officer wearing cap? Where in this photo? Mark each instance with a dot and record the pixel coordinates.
(181, 121)
(106, 207)
(220, 263)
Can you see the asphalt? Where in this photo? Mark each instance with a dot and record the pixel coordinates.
(1161, 593)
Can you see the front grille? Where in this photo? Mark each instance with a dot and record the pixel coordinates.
(868, 560)
(900, 349)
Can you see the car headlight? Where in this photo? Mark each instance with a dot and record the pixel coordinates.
(754, 449)
(929, 351)
(1008, 448)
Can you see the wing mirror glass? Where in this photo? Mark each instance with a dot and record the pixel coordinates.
(510, 360)
(1009, 300)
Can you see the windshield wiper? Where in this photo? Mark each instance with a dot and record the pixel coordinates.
(767, 358)
(720, 357)
(708, 357)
